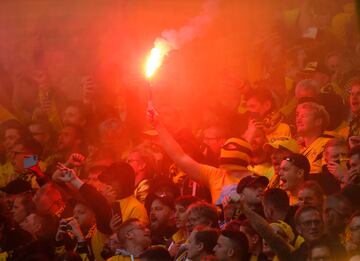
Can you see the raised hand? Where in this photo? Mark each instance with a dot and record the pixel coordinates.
(88, 87)
(64, 174)
(75, 160)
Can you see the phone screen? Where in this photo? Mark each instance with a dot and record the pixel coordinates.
(30, 161)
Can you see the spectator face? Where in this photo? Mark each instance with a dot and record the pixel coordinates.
(253, 105)
(334, 153)
(67, 139)
(140, 234)
(289, 176)
(194, 219)
(10, 138)
(48, 200)
(223, 249)
(310, 225)
(308, 197)
(253, 195)
(31, 224)
(355, 99)
(180, 216)
(276, 157)
(214, 139)
(321, 253)
(39, 134)
(136, 162)
(305, 120)
(256, 138)
(354, 228)
(84, 216)
(193, 248)
(355, 163)
(18, 210)
(17, 154)
(160, 215)
(335, 215)
(72, 116)
(113, 242)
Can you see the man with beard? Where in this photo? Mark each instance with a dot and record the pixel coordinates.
(161, 210)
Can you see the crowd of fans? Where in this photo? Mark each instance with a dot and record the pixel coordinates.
(278, 178)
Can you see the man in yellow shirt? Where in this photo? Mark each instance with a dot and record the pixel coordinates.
(311, 122)
(234, 159)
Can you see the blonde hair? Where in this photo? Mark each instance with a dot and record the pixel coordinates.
(319, 111)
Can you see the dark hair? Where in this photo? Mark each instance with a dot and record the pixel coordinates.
(13, 124)
(262, 94)
(123, 175)
(239, 242)
(156, 253)
(186, 200)
(208, 237)
(278, 199)
(69, 256)
(31, 145)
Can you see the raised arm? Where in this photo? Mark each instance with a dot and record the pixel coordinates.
(174, 150)
(281, 248)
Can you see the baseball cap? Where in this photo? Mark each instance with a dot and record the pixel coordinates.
(164, 198)
(252, 181)
(299, 161)
(282, 142)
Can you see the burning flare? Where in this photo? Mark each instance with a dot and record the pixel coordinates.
(156, 56)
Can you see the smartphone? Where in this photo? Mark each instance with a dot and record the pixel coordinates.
(30, 161)
(115, 206)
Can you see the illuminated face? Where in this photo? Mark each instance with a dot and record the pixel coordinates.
(17, 155)
(334, 153)
(84, 216)
(10, 138)
(253, 105)
(354, 228)
(305, 120)
(194, 219)
(72, 116)
(223, 249)
(355, 163)
(31, 224)
(160, 215)
(136, 162)
(180, 216)
(18, 210)
(355, 99)
(308, 197)
(193, 248)
(141, 235)
(213, 139)
(333, 63)
(310, 225)
(321, 253)
(39, 134)
(256, 138)
(277, 156)
(67, 139)
(253, 195)
(289, 176)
